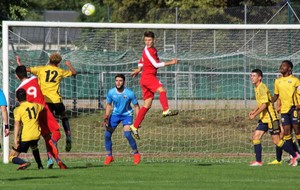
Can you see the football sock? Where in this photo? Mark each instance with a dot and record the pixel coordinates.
(107, 141)
(278, 153)
(140, 117)
(36, 155)
(164, 100)
(286, 147)
(66, 126)
(131, 140)
(17, 160)
(257, 150)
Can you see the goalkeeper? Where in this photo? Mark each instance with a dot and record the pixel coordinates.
(120, 98)
(269, 121)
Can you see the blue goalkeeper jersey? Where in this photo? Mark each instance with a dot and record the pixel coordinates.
(121, 101)
(2, 99)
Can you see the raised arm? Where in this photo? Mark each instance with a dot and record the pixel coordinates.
(69, 65)
(18, 59)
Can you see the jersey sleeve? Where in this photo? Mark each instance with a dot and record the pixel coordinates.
(66, 73)
(2, 99)
(151, 54)
(134, 101)
(35, 70)
(276, 87)
(17, 115)
(109, 97)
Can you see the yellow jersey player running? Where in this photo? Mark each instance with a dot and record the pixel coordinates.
(29, 134)
(287, 88)
(49, 77)
(269, 120)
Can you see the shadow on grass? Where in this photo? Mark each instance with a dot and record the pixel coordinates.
(203, 164)
(29, 178)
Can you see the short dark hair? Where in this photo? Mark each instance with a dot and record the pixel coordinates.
(120, 76)
(258, 72)
(21, 94)
(21, 72)
(149, 34)
(290, 64)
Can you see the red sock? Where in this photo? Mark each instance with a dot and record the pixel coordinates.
(164, 100)
(140, 117)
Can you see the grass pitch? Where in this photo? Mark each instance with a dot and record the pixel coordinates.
(124, 175)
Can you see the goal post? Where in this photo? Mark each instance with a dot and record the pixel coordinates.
(210, 85)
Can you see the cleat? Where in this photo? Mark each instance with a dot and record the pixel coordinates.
(169, 113)
(50, 163)
(108, 160)
(68, 144)
(294, 160)
(134, 132)
(136, 158)
(24, 166)
(40, 167)
(62, 165)
(255, 163)
(275, 162)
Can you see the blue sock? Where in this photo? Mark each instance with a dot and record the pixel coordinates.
(108, 142)
(257, 150)
(131, 140)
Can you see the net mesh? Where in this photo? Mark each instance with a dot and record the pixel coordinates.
(210, 86)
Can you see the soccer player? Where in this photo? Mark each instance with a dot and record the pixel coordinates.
(269, 120)
(287, 88)
(3, 105)
(49, 77)
(148, 64)
(27, 135)
(48, 123)
(120, 98)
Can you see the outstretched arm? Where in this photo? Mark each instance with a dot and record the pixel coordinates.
(18, 59)
(136, 71)
(172, 62)
(69, 65)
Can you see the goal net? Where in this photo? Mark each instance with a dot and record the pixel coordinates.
(210, 86)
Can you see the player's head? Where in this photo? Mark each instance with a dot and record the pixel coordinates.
(21, 95)
(286, 68)
(55, 58)
(21, 72)
(120, 81)
(149, 38)
(256, 76)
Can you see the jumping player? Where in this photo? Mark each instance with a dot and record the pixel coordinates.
(148, 64)
(120, 98)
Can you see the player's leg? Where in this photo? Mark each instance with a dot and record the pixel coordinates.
(164, 102)
(113, 122)
(256, 140)
(61, 111)
(126, 121)
(36, 153)
(14, 156)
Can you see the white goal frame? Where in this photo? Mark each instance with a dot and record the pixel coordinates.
(7, 24)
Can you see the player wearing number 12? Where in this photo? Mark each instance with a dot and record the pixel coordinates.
(49, 77)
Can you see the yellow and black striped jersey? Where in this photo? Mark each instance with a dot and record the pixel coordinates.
(263, 95)
(286, 88)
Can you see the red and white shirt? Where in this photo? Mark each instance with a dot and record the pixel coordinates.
(150, 61)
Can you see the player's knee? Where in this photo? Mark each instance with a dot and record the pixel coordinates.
(107, 135)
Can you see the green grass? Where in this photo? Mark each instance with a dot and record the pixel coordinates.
(124, 175)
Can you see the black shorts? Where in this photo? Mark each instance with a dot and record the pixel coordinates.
(56, 108)
(24, 146)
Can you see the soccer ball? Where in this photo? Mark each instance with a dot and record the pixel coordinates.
(88, 9)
